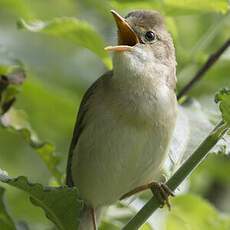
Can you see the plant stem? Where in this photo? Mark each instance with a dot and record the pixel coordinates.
(207, 65)
(180, 175)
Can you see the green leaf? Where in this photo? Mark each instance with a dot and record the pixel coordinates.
(175, 7)
(223, 98)
(10, 80)
(72, 29)
(191, 128)
(17, 7)
(196, 6)
(18, 121)
(146, 226)
(105, 225)
(129, 4)
(62, 205)
(215, 169)
(6, 222)
(190, 212)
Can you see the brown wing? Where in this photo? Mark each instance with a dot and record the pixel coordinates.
(79, 126)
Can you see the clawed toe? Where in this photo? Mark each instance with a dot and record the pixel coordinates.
(162, 192)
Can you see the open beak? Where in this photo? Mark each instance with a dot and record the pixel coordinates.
(126, 35)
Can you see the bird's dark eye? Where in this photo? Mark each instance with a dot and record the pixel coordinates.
(150, 36)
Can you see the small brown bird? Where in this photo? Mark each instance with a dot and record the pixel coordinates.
(126, 118)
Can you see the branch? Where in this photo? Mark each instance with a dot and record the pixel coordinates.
(200, 73)
(180, 175)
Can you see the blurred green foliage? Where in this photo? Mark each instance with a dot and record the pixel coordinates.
(59, 66)
(5, 220)
(76, 31)
(191, 212)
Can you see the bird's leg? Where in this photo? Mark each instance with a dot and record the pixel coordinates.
(93, 214)
(160, 190)
(136, 190)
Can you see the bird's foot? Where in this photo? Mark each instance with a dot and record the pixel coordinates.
(160, 190)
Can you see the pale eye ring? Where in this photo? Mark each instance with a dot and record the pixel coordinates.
(150, 36)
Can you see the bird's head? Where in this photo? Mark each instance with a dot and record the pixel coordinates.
(142, 37)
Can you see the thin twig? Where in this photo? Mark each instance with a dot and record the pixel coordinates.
(207, 65)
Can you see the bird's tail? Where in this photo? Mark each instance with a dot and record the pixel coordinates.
(89, 218)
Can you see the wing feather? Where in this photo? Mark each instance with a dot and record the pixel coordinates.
(79, 126)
